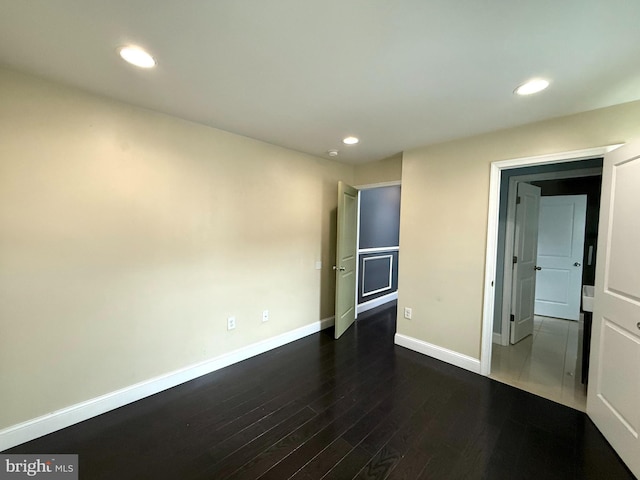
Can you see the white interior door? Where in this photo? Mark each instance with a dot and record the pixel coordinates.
(560, 252)
(613, 400)
(524, 262)
(346, 254)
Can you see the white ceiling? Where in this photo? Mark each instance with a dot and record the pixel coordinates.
(305, 73)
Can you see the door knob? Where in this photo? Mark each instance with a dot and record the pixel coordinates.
(341, 269)
(537, 268)
(577, 264)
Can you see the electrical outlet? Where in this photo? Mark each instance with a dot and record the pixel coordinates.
(231, 323)
(407, 313)
(265, 315)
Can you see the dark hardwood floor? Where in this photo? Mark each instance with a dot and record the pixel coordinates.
(358, 407)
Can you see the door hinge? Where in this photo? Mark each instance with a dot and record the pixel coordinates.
(515, 260)
(512, 318)
(518, 200)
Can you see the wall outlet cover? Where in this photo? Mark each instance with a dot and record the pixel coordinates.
(231, 323)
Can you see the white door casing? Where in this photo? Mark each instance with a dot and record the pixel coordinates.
(525, 253)
(560, 255)
(346, 254)
(613, 399)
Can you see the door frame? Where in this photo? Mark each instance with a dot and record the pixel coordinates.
(492, 233)
(503, 337)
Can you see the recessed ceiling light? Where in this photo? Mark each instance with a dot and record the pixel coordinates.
(137, 56)
(333, 153)
(350, 140)
(532, 86)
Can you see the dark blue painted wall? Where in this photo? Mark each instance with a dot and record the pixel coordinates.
(379, 228)
(380, 217)
(374, 275)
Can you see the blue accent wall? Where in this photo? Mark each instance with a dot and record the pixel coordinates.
(375, 277)
(380, 229)
(380, 217)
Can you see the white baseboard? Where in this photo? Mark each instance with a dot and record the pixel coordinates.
(376, 302)
(444, 354)
(45, 424)
(500, 340)
(326, 323)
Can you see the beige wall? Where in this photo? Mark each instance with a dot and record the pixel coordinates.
(128, 237)
(382, 171)
(443, 226)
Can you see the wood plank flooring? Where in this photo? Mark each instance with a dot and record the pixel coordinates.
(359, 407)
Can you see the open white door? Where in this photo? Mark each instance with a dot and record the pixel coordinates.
(560, 251)
(613, 400)
(524, 262)
(346, 254)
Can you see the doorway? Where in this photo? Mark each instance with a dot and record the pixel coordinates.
(367, 249)
(378, 245)
(497, 272)
(574, 178)
(546, 358)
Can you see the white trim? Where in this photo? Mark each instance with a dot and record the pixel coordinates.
(376, 302)
(324, 323)
(490, 269)
(492, 233)
(37, 427)
(444, 354)
(378, 249)
(497, 338)
(357, 279)
(561, 157)
(364, 273)
(369, 186)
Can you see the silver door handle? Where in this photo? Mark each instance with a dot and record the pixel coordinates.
(577, 264)
(342, 269)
